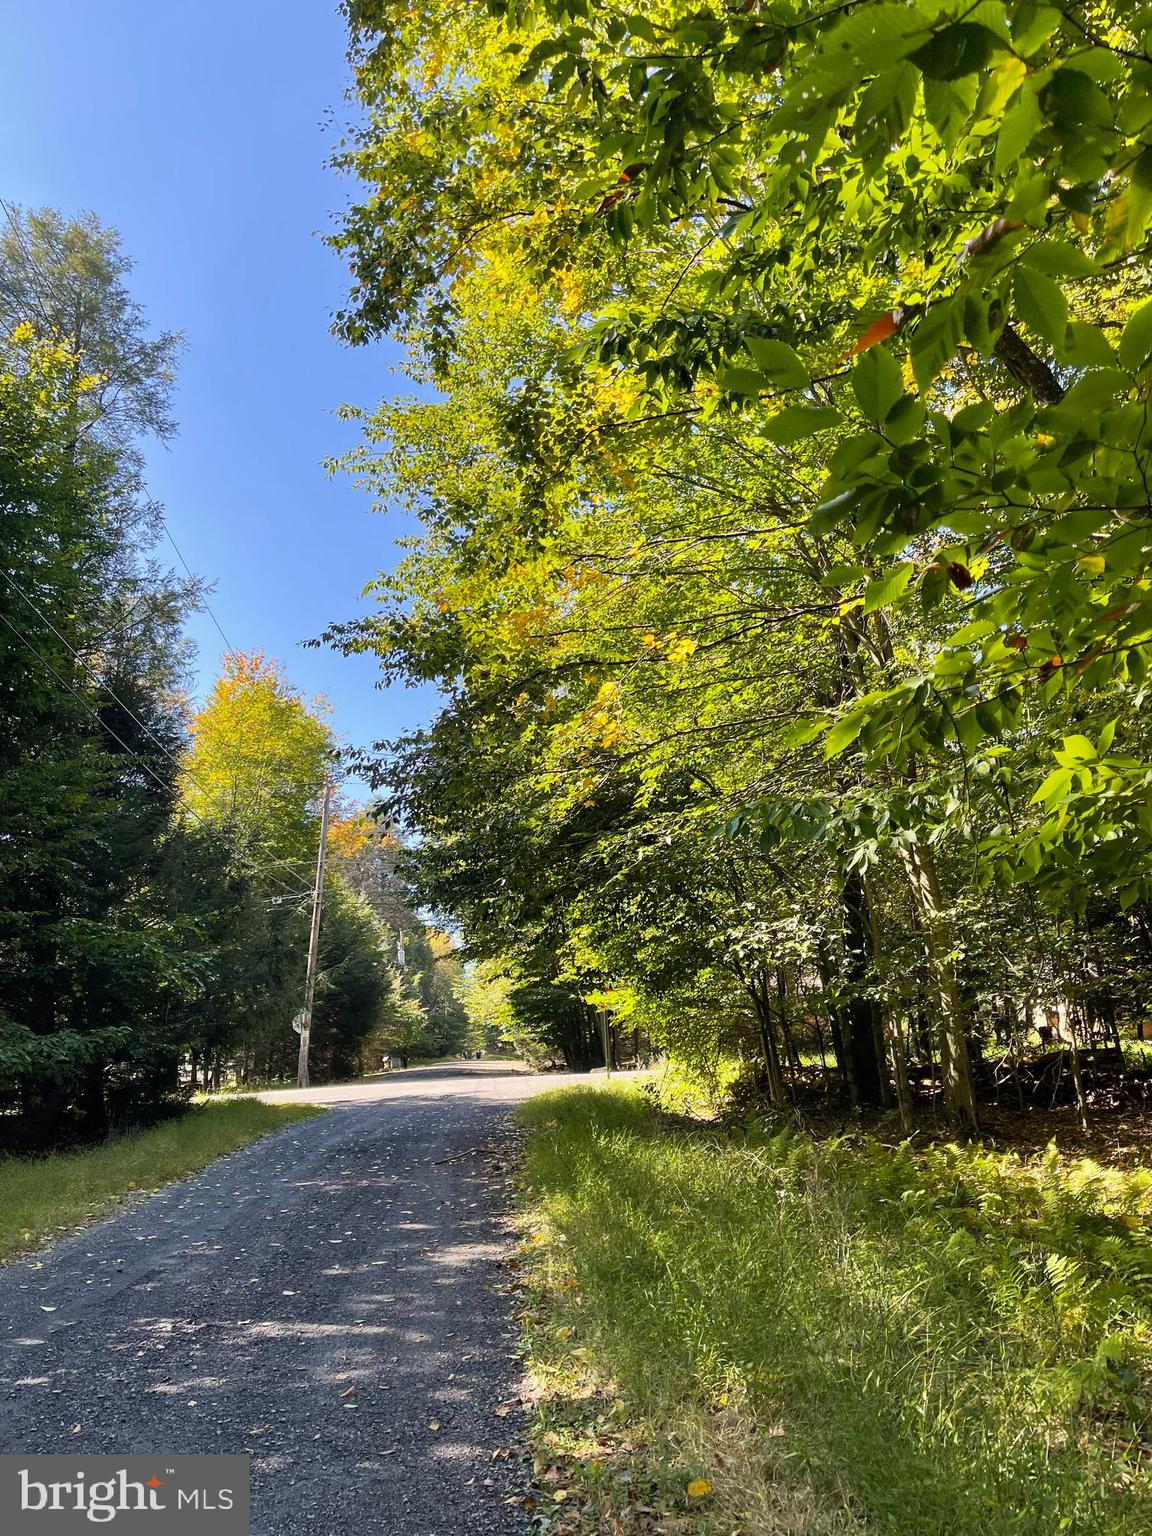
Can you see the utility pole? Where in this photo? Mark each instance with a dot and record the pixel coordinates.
(314, 940)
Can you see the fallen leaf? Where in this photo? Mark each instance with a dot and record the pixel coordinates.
(699, 1488)
(350, 1392)
(43, 1308)
(433, 1424)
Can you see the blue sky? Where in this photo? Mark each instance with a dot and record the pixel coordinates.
(198, 130)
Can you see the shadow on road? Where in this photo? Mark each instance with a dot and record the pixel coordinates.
(329, 1299)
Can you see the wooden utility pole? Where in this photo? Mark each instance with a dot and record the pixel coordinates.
(314, 940)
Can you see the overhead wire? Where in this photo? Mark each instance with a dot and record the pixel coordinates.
(93, 674)
(203, 601)
(164, 783)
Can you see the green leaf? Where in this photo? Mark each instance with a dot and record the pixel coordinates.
(974, 417)
(1087, 346)
(887, 105)
(743, 381)
(1077, 749)
(795, 422)
(1095, 389)
(905, 420)
(1074, 103)
(1041, 304)
(956, 50)
(934, 587)
(887, 588)
(1054, 788)
(1032, 26)
(1017, 128)
(778, 361)
(871, 37)
(1136, 341)
(877, 382)
(1059, 259)
(949, 104)
(843, 734)
(935, 339)
(1128, 551)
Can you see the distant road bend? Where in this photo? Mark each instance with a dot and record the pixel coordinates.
(327, 1298)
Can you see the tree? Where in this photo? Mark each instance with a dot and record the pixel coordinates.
(484, 994)
(373, 861)
(864, 283)
(92, 960)
(257, 762)
(65, 278)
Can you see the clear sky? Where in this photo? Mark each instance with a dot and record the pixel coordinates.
(197, 128)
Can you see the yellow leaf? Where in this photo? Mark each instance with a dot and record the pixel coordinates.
(699, 1488)
(1094, 564)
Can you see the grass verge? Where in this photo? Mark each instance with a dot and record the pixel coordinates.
(41, 1198)
(762, 1334)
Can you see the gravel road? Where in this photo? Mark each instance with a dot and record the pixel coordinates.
(329, 1299)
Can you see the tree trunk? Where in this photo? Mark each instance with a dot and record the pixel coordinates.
(1027, 368)
(777, 1091)
(831, 1008)
(859, 1018)
(900, 1072)
(791, 1053)
(955, 1062)
(1077, 1074)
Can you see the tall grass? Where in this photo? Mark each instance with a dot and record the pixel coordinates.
(944, 1340)
(42, 1197)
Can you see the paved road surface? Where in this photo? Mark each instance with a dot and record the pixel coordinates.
(234, 1311)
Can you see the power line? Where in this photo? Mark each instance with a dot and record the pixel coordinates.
(204, 603)
(148, 731)
(164, 783)
(90, 670)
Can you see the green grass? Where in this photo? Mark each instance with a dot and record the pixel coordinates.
(43, 1197)
(846, 1335)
